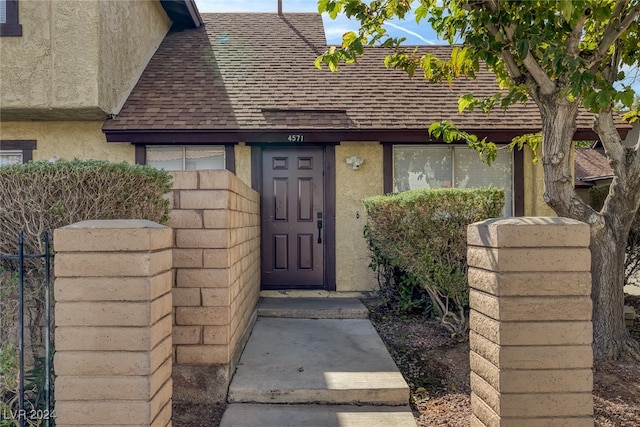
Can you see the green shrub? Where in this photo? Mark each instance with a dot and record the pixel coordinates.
(597, 196)
(423, 233)
(40, 196)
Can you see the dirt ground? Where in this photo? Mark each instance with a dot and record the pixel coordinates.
(437, 370)
(197, 415)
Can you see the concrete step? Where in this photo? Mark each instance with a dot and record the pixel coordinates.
(263, 415)
(313, 308)
(334, 361)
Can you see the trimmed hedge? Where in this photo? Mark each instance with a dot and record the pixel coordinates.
(423, 233)
(39, 196)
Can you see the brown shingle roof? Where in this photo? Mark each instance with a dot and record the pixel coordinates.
(591, 165)
(255, 71)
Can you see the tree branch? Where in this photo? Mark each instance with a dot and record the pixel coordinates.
(507, 56)
(614, 30)
(573, 41)
(547, 86)
(610, 138)
(611, 71)
(622, 202)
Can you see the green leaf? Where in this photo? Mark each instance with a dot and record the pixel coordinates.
(522, 47)
(458, 57)
(464, 102)
(348, 38)
(632, 116)
(604, 99)
(421, 13)
(566, 8)
(426, 64)
(627, 97)
(436, 128)
(531, 140)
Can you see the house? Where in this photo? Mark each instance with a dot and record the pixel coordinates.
(241, 92)
(109, 80)
(68, 66)
(154, 82)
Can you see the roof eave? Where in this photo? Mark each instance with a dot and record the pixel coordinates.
(397, 136)
(183, 13)
(596, 178)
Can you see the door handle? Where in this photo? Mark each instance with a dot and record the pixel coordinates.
(319, 223)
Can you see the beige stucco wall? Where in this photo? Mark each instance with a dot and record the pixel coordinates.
(129, 36)
(352, 255)
(534, 204)
(68, 140)
(77, 59)
(54, 62)
(243, 162)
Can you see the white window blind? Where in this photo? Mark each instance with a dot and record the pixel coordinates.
(3, 11)
(186, 157)
(421, 166)
(10, 157)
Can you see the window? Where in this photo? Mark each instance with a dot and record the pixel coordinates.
(14, 152)
(9, 25)
(12, 157)
(435, 166)
(186, 157)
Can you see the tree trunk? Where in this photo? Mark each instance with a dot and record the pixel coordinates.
(609, 228)
(610, 335)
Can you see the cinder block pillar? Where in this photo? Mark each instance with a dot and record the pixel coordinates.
(216, 218)
(530, 322)
(113, 323)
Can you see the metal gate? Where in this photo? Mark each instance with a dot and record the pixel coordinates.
(26, 351)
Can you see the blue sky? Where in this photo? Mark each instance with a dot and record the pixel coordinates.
(334, 29)
(414, 33)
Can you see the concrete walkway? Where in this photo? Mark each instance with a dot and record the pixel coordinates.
(316, 362)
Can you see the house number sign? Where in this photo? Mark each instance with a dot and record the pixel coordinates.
(295, 138)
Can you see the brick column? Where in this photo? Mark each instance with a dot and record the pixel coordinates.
(113, 323)
(530, 322)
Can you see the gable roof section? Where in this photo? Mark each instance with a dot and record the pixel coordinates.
(245, 75)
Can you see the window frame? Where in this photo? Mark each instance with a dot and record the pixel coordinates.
(11, 27)
(11, 153)
(517, 173)
(26, 146)
(229, 154)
